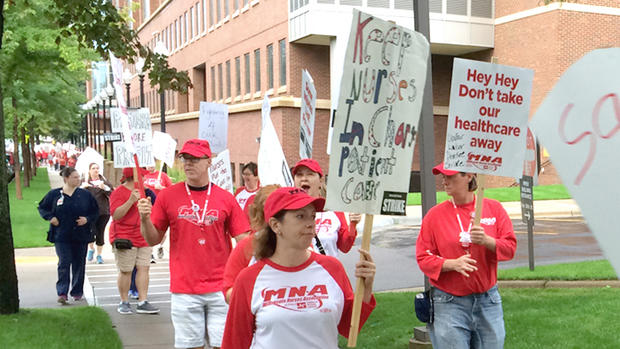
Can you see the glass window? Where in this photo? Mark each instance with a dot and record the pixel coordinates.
(257, 69)
(235, 5)
(176, 34)
(146, 10)
(192, 22)
(198, 18)
(225, 8)
(282, 62)
(238, 76)
(187, 28)
(246, 58)
(211, 12)
(220, 80)
(204, 15)
(218, 10)
(228, 79)
(269, 66)
(213, 83)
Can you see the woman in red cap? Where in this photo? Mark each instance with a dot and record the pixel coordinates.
(332, 231)
(460, 261)
(293, 297)
(129, 247)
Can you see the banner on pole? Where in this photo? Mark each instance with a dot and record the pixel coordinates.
(579, 124)
(220, 172)
(377, 117)
(487, 121)
(308, 112)
(164, 147)
(139, 124)
(272, 165)
(213, 125)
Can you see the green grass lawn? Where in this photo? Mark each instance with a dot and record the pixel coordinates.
(535, 318)
(541, 192)
(590, 270)
(79, 327)
(29, 229)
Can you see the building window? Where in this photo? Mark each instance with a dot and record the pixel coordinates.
(238, 76)
(257, 69)
(225, 8)
(235, 5)
(218, 10)
(176, 34)
(228, 79)
(146, 10)
(204, 15)
(192, 23)
(282, 62)
(220, 80)
(211, 12)
(187, 28)
(181, 29)
(269, 66)
(198, 18)
(213, 83)
(246, 58)
(245, 2)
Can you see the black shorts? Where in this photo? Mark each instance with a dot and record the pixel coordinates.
(102, 221)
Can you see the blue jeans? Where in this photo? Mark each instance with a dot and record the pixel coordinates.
(71, 260)
(473, 321)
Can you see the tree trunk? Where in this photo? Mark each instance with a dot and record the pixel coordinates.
(9, 296)
(17, 165)
(33, 154)
(26, 158)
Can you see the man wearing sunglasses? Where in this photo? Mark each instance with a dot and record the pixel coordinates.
(202, 218)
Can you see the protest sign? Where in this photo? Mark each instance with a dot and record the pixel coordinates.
(306, 121)
(489, 108)
(220, 172)
(579, 124)
(377, 117)
(139, 122)
(272, 165)
(164, 147)
(213, 125)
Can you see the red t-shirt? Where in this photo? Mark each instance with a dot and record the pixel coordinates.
(439, 240)
(240, 258)
(127, 227)
(242, 195)
(150, 180)
(198, 254)
(306, 306)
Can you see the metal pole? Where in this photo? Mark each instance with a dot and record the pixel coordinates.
(127, 87)
(141, 90)
(162, 112)
(426, 134)
(105, 145)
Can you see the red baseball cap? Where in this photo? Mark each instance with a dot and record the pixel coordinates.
(312, 164)
(289, 198)
(440, 169)
(128, 173)
(196, 147)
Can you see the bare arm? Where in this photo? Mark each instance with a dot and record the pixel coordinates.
(152, 235)
(122, 210)
(464, 265)
(479, 237)
(241, 236)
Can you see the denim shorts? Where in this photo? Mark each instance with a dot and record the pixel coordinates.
(472, 321)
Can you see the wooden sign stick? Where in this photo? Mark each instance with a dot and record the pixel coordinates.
(479, 199)
(360, 287)
(161, 167)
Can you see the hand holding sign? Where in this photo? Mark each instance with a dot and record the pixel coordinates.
(579, 124)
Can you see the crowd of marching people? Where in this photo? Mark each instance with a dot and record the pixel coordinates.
(282, 283)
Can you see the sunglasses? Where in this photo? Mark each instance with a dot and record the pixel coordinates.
(191, 159)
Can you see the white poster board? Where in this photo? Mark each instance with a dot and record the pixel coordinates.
(308, 111)
(272, 165)
(487, 121)
(579, 124)
(141, 136)
(377, 117)
(220, 172)
(213, 125)
(163, 147)
(88, 156)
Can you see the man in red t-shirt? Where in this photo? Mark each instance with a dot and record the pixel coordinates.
(202, 218)
(156, 181)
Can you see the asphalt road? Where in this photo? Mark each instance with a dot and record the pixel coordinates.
(556, 240)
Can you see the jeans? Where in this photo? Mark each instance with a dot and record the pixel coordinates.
(473, 321)
(71, 260)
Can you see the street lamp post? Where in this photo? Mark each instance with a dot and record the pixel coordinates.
(109, 90)
(139, 69)
(160, 48)
(127, 81)
(98, 101)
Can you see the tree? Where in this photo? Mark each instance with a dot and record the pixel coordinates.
(92, 24)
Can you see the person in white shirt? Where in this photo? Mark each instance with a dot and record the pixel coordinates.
(293, 297)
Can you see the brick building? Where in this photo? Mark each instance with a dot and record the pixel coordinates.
(236, 51)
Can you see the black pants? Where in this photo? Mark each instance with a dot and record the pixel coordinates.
(102, 221)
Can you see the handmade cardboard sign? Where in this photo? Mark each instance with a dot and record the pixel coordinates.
(141, 136)
(163, 147)
(579, 124)
(306, 121)
(213, 125)
(489, 108)
(377, 117)
(220, 172)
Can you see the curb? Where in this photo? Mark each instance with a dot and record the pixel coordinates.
(558, 284)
